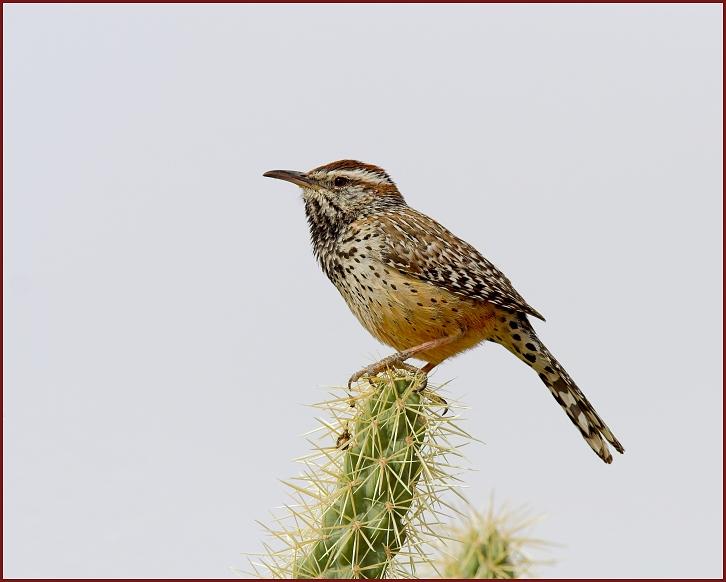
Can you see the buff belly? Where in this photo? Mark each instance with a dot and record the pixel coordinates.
(403, 312)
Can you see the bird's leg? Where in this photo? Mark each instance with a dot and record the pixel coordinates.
(428, 367)
(399, 359)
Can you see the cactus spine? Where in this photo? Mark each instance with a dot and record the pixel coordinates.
(369, 495)
(488, 546)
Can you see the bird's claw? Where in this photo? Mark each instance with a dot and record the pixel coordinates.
(424, 381)
(438, 400)
(355, 377)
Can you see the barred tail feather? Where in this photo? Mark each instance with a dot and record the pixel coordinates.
(517, 335)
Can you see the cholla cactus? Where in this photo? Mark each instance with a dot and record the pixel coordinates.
(485, 545)
(367, 505)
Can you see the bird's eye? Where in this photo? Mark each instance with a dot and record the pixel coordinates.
(340, 181)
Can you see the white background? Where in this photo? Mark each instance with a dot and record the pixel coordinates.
(166, 322)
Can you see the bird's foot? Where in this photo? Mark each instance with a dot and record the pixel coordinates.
(396, 362)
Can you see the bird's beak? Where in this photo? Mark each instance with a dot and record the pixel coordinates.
(299, 178)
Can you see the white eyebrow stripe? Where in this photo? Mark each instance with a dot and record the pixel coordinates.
(361, 174)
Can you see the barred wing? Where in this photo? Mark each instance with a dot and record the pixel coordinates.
(421, 248)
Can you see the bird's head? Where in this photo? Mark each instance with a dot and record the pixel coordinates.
(342, 191)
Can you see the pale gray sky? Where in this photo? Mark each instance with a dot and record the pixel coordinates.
(166, 321)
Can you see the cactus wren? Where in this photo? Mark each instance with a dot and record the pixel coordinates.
(420, 289)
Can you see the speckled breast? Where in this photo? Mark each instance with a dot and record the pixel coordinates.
(403, 312)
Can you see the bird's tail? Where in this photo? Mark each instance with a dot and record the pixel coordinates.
(517, 335)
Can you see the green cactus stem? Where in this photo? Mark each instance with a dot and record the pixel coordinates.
(370, 494)
(488, 546)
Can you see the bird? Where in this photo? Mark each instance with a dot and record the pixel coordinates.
(420, 289)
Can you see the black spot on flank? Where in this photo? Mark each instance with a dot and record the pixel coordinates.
(502, 319)
(371, 267)
(516, 337)
(433, 300)
(513, 325)
(530, 346)
(414, 291)
(530, 357)
(369, 248)
(377, 274)
(419, 304)
(455, 310)
(393, 286)
(356, 260)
